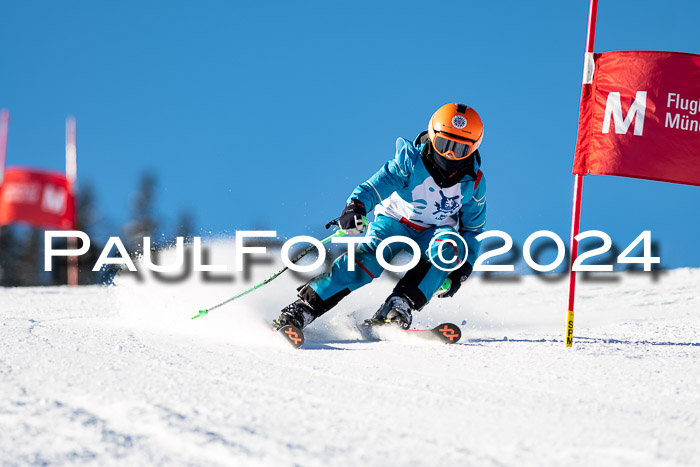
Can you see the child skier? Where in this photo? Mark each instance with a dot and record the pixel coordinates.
(432, 191)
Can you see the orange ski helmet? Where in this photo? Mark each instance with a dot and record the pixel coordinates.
(455, 131)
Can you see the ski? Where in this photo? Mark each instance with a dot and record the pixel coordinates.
(447, 333)
(292, 334)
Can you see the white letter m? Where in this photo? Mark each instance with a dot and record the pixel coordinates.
(613, 108)
(54, 200)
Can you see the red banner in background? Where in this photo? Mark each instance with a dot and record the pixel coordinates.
(641, 117)
(41, 199)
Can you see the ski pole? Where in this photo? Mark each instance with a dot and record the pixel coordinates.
(337, 233)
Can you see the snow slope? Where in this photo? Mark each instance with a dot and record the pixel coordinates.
(121, 375)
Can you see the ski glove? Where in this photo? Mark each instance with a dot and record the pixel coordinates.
(351, 220)
(456, 278)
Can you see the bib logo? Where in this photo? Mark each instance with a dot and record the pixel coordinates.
(446, 206)
(613, 108)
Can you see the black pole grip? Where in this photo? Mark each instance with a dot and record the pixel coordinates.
(332, 223)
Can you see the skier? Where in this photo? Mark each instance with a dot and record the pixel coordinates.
(433, 189)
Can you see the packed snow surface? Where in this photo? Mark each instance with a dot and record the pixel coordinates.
(122, 375)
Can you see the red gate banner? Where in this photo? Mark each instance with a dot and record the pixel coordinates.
(41, 199)
(640, 117)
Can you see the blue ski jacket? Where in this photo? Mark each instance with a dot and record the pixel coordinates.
(405, 190)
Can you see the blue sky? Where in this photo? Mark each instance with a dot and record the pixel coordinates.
(270, 115)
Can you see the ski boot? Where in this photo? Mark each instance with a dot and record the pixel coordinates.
(299, 314)
(396, 310)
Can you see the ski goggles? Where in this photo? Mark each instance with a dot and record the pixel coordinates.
(452, 148)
